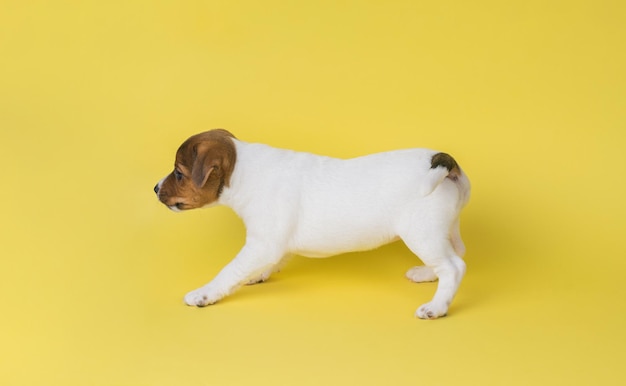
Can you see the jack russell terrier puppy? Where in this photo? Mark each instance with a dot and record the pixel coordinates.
(315, 206)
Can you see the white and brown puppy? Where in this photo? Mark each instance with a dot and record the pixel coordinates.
(315, 206)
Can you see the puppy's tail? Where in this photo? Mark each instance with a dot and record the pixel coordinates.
(442, 166)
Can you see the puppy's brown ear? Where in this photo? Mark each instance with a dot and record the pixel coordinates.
(214, 156)
(204, 164)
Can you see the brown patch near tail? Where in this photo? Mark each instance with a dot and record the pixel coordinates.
(446, 160)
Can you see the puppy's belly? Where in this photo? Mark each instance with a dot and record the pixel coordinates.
(330, 244)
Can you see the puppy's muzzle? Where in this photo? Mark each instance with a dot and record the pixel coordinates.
(177, 207)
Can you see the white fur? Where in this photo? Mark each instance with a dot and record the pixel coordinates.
(309, 205)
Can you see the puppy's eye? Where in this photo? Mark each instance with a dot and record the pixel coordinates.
(178, 175)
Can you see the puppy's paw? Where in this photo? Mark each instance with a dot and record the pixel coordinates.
(200, 298)
(431, 310)
(421, 274)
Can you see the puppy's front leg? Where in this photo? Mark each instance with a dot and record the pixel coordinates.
(251, 261)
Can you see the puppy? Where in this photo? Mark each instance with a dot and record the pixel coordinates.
(315, 206)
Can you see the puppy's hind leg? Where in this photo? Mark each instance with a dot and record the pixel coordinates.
(441, 260)
(450, 271)
(422, 273)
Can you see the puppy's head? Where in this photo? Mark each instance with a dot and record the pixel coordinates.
(204, 164)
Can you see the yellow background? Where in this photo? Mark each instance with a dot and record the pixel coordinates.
(95, 97)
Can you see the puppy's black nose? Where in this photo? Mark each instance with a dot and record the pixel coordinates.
(156, 188)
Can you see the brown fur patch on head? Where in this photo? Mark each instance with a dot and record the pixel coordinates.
(203, 167)
(446, 160)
